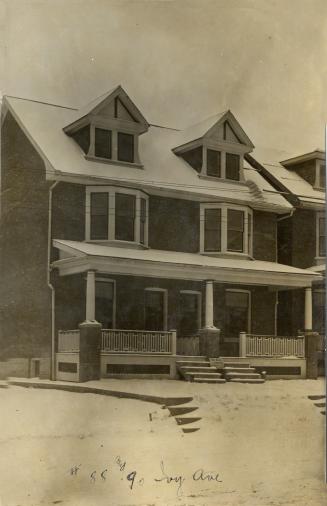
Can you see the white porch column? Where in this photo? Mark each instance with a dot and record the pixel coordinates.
(90, 296)
(308, 309)
(209, 306)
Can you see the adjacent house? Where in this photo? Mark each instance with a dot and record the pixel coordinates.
(301, 234)
(163, 236)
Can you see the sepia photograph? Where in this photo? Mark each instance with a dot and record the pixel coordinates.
(162, 252)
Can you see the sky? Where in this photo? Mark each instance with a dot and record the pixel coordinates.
(179, 60)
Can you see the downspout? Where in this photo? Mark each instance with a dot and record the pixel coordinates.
(51, 287)
(284, 217)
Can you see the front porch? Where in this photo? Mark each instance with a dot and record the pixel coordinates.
(208, 301)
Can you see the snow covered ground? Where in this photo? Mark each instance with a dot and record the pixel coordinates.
(258, 445)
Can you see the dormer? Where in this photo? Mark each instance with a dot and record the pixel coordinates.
(107, 129)
(311, 167)
(215, 147)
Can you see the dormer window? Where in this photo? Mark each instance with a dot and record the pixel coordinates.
(215, 149)
(320, 176)
(102, 143)
(108, 129)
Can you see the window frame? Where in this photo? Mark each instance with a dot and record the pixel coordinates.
(320, 215)
(101, 279)
(248, 330)
(319, 165)
(165, 305)
(111, 236)
(224, 150)
(247, 234)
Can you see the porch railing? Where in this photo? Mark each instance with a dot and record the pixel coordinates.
(139, 341)
(68, 340)
(271, 346)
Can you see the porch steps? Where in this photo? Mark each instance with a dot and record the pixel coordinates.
(198, 371)
(241, 373)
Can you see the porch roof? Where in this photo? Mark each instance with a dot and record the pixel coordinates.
(77, 257)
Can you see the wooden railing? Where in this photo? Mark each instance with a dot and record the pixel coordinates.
(271, 346)
(68, 340)
(139, 341)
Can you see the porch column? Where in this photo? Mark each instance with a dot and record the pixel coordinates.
(308, 309)
(90, 296)
(209, 306)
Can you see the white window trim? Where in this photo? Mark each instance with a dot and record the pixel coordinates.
(165, 303)
(223, 149)
(317, 184)
(111, 191)
(319, 215)
(247, 249)
(115, 127)
(114, 306)
(248, 330)
(199, 295)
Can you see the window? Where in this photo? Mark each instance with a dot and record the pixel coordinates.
(189, 313)
(212, 229)
(319, 303)
(125, 219)
(321, 235)
(125, 147)
(143, 221)
(232, 167)
(213, 163)
(155, 309)
(105, 303)
(237, 313)
(322, 176)
(235, 230)
(102, 143)
(99, 216)
(225, 229)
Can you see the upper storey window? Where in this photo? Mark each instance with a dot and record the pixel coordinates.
(225, 228)
(215, 148)
(108, 129)
(116, 214)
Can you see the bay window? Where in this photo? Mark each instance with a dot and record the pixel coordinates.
(116, 214)
(225, 228)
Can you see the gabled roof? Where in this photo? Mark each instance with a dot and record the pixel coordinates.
(205, 127)
(288, 182)
(163, 172)
(100, 102)
(317, 154)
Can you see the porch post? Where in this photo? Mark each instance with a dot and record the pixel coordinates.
(90, 296)
(209, 305)
(308, 309)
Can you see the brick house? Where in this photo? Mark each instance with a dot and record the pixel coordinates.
(145, 229)
(301, 235)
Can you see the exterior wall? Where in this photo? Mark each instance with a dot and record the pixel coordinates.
(265, 236)
(24, 295)
(70, 301)
(307, 170)
(174, 224)
(297, 239)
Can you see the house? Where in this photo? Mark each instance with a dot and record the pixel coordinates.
(166, 237)
(301, 234)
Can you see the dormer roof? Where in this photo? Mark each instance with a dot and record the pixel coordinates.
(317, 154)
(224, 126)
(112, 105)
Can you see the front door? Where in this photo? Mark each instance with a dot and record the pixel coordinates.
(189, 313)
(154, 308)
(104, 303)
(237, 313)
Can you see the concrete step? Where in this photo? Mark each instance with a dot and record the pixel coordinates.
(203, 374)
(242, 375)
(185, 369)
(209, 380)
(236, 364)
(239, 369)
(247, 380)
(185, 358)
(195, 363)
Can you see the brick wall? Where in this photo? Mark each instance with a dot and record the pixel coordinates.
(24, 295)
(264, 236)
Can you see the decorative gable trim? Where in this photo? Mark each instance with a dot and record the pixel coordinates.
(115, 100)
